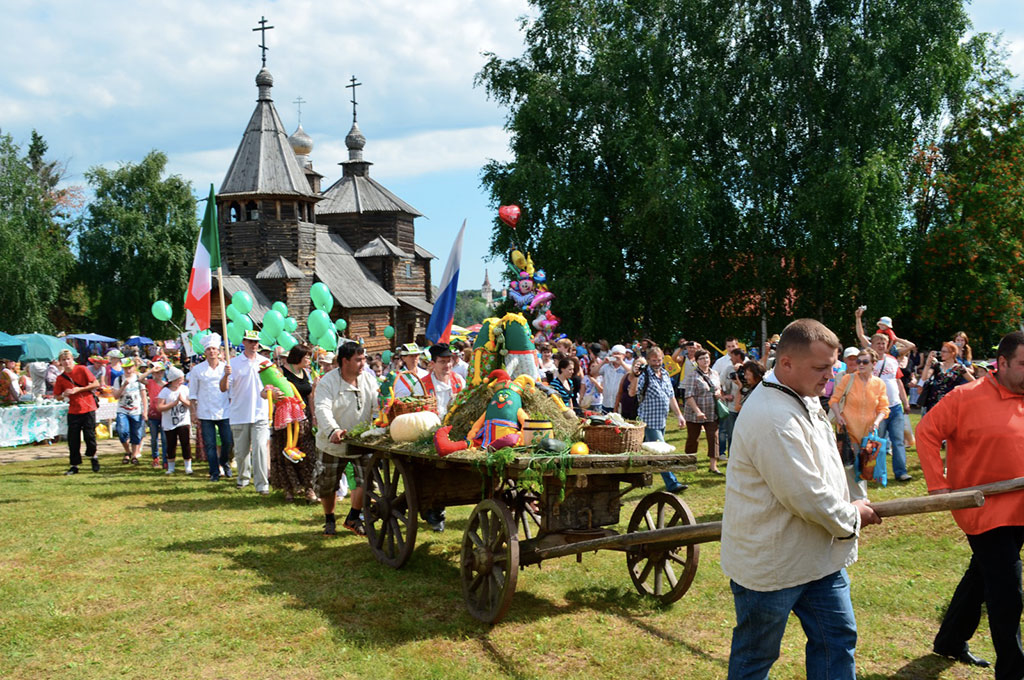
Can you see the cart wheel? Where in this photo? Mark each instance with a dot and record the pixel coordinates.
(490, 561)
(389, 510)
(653, 566)
(526, 517)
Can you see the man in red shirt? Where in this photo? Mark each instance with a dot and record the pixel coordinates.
(982, 424)
(76, 385)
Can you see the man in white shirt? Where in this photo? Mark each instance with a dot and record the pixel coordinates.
(723, 365)
(249, 414)
(789, 529)
(344, 398)
(210, 407)
(611, 372)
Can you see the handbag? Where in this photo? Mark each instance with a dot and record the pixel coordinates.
(871, 461)
(722, 409)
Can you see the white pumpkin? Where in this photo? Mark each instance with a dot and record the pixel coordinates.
(409, 427)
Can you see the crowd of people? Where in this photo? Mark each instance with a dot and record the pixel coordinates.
(788, 421)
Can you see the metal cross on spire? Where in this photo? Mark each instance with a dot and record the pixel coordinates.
(263, 28)
(353, 84)
(298, 103)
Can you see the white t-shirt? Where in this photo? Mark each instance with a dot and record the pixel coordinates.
(462, 368)
(886, 368)
(611, 376)
(178, 416)
(244, 387)
(130, 402)
(722, 366)
(204, 390)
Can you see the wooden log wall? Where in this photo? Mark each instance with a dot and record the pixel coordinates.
(369, 325)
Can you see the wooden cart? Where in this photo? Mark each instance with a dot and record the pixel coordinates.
(510, 527)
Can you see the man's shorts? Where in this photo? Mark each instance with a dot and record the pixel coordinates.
(328, 469)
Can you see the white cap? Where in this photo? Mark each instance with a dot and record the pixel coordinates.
(173, 373)
(851, 352)
(618, 349)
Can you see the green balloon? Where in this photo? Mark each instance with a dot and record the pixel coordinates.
(234, 333)
(321, 296)
(287, 341)
(385, 356)
(234, 314)
(267, 339)
(281, 308)
(291, 325)
(273, 323)
(329, 341)
(341, 325)
(318, 323)
(162, 310)
(242, 301)
(389, 332)
(197, 341)
(245, 323)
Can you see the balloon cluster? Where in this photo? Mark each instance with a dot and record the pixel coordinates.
(528, 290)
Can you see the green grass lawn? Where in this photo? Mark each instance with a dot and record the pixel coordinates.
(130, 574)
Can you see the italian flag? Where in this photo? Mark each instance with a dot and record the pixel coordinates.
(197, 299)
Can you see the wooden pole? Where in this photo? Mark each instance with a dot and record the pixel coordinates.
(993, 488)
(708, 532)
(223, 312)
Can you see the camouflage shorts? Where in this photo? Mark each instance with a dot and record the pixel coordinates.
(328, 469)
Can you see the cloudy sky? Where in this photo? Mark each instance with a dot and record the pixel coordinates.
(106, 82)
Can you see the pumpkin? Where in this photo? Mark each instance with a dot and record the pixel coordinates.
(410, 427)
(579, 449)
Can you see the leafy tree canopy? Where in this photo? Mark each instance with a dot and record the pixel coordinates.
(136, 243)
(717, 159)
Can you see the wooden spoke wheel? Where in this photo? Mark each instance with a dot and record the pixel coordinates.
(490, 560)
(525, 511)
(662, 570)
(389, 510)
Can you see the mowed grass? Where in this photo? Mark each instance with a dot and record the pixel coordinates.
(131, 574)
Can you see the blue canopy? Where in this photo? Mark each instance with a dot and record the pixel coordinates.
(11, 347)
(92, 337)
(137, 340)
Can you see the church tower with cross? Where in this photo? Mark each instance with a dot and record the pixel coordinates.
(279, 234)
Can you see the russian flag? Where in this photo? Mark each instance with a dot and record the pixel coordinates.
(207, 257)
(439, 329)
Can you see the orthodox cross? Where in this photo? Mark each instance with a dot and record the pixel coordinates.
(263, 37)
(299, 102)
(353, 84)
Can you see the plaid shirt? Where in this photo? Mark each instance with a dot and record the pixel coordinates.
(653, 410)
(696, 386)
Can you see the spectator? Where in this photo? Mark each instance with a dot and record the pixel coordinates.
(965, 355)
(52, 371)
(10, 382)
(941, 376)
(77, 385)
(859, 404)
(210, 407)
(157, 436)
(887, 369)
(893, 344)
(37, 372)
(653, 389)
(566, 385)
(982, 427)
(132, 407)
(249, 414)
(611, 371)
(547, 362)
(702, 388)
(173, 405)
(459, 365)
(723, 365)
(730, 395)
(408, 378)
(750, 374)
(626, 401)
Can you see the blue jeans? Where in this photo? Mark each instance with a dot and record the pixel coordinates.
(156, 434)
(209, 429)
(654, 434)
(130, 428)
(825, 613)
(892, 427)
(725, 433)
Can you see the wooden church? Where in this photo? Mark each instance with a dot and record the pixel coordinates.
(279, 234)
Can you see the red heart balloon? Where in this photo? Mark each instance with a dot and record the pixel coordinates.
(509, 214)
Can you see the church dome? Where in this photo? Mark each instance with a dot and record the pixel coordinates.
(264, 79)
(354, 140)
(302, 144)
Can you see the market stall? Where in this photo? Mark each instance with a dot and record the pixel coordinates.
(32, 422)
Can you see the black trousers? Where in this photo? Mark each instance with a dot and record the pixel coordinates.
(993, 577)
(80, 424)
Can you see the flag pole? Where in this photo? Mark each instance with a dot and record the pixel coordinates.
(223, 312)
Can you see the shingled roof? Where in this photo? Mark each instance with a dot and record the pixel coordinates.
(361, 194)
(265, 162)
(260, 302)
(381, 247)
(352, 284)
(281, 268)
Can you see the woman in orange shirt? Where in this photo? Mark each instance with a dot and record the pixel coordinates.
(864, 406)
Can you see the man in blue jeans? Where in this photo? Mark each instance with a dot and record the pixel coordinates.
(887, 368)
(789, 529)
(653, 388)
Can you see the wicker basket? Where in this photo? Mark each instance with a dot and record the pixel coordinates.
(399, 408)
(614, 438)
